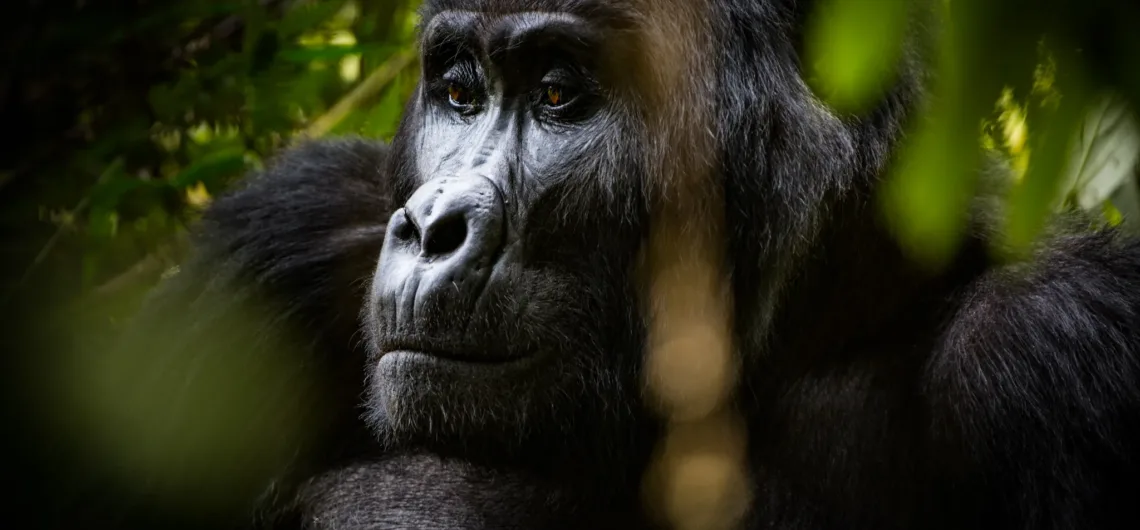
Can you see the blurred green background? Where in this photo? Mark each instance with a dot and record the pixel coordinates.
(126, 118)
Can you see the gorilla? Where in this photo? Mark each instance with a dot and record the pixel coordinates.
(473, 296)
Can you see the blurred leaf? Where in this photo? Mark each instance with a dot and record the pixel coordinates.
(113, 183)
(853, 47)
(193, 427)
(1111, 214)
(381, 119)
(304, 54)
(362, 93)
(197, 195)
(1038, 194)
(1105, 153)
(1126, 199)
(927, 195)
(211, 168)
(306, 16)
(107, 194)
(102, 223)
(181, 11)
(264, 51)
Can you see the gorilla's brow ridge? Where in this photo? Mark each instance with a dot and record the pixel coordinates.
(516, 37)
(614, 13)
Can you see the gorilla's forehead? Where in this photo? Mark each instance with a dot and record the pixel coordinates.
(610, 12)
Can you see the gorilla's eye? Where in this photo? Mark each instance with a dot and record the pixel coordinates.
(553, 97)
(564, 95)
(460, 86)
(459, 96)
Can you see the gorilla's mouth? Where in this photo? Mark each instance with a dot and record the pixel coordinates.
(447, 358)
(413, 349)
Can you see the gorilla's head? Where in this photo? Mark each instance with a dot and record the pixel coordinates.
(507, 311)
(502, 308)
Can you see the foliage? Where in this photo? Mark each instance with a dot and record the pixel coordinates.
(152, 108)
(1071, 61)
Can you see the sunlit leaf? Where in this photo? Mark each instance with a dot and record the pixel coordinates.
(342, 38)
(1126, 199)
(201, 133)
(1111, 214)
(1038, 194)
(168, 139)
(197, 195)
(350, 68)
(303, 54)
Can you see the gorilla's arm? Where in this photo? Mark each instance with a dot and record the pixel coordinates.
(277, 277)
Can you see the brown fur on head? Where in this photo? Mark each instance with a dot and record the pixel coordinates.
(697, 479)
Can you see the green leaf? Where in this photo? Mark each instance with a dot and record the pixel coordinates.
(107, 194)
(103, 223)
(1126, 200)
(211, 169)
(926, 196)
(305, 54)
(1105, 153)
(306, 16)
(1111, 214)
(853, 48)
(1037, 194)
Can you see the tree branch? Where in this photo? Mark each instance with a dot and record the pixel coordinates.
(372, 85)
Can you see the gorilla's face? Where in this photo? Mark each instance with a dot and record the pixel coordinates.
(502, 309)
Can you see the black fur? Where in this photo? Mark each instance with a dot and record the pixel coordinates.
(877, 395)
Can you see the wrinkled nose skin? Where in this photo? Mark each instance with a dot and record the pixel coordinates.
(437, 256)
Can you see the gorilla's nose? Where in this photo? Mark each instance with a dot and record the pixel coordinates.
(438, 256)
(453, 217)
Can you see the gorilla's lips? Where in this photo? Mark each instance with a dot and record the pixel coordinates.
(443, 350)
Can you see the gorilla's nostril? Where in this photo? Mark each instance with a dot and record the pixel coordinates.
(445, 236)
(404, 229)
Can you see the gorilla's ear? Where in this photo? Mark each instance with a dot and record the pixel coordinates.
(245, 365)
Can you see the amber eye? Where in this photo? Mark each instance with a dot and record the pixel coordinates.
(553, 96)
(458, 95)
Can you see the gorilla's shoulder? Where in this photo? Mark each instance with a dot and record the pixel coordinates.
(308, 197)
(331, 159)
(1078, 289)
(300, 230)
(1050, 345)
(314, 174)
